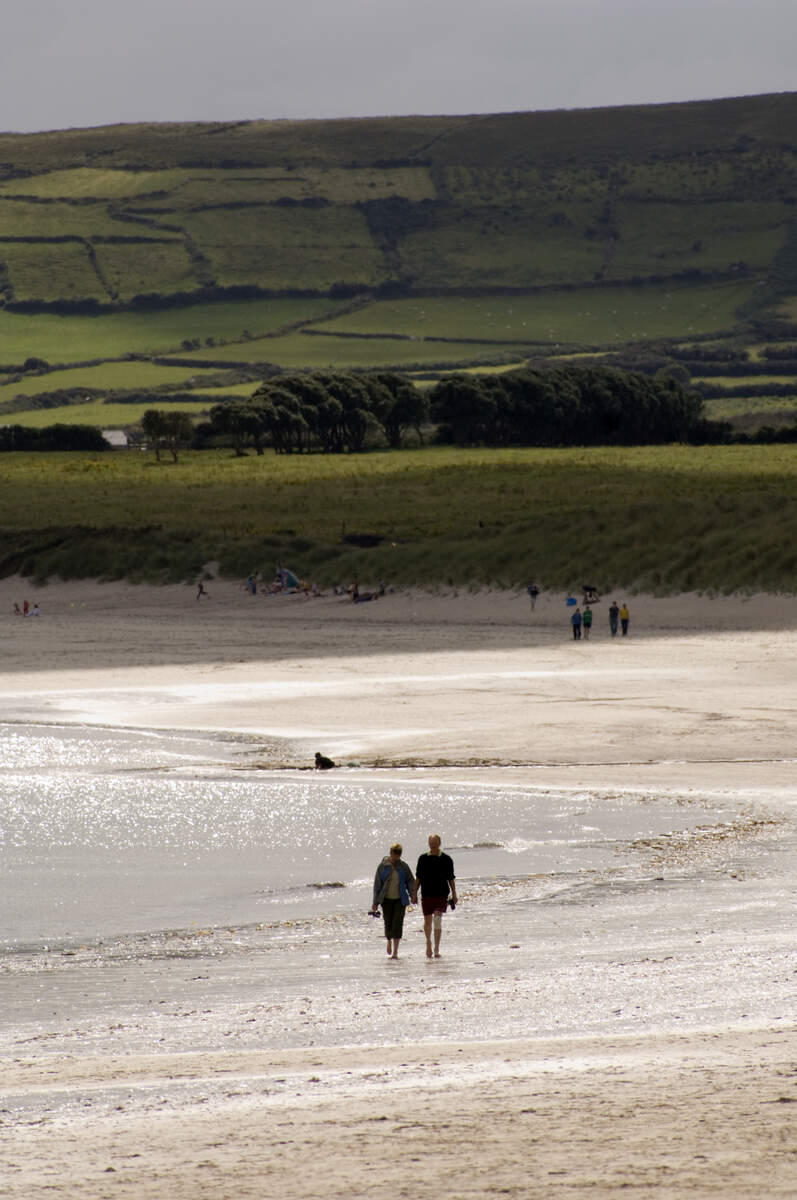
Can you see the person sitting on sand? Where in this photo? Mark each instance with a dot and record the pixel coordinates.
(322, 763)
(393, 887)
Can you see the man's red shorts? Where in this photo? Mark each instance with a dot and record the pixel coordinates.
(433, 904)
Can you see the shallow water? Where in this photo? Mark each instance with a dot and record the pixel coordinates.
(162, 894)
(108, 833)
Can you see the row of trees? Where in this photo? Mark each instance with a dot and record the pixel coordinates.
(565, 406)
(338, 413)
(326, 411)
(51, 437)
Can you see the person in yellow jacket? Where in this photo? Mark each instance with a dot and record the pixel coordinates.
(624, 617)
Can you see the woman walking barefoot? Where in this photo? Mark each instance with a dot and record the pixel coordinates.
(393, 885)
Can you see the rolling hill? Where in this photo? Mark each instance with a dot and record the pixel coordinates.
(420, 243)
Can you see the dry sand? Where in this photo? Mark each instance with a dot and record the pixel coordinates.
(700, 696)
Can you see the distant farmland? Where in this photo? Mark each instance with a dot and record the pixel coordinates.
(416, 243)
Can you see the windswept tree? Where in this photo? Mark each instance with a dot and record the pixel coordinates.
(355, 414)
(406, 407)
(464, 409)
(153, 429)
(172, 429)
(241, 421)
(178, 429)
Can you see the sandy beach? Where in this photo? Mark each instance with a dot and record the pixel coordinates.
(374, 1084)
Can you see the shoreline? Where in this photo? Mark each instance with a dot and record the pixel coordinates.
(154, 1078)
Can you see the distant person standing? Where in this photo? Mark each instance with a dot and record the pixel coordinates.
(434, 875)
(575, 621)
(624, 618)
(586, 622)
(533, 592)
(614, 618)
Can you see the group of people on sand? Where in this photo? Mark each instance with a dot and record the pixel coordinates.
(581, 621)
(26, 610)
(396, 888)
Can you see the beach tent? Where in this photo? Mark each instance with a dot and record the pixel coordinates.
(287, 578)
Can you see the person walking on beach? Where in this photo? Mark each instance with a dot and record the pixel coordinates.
(624, 618)
(575, 621)
(434, 875)
(533, 592)
(614, 617)
(586, 621)
(393, 887)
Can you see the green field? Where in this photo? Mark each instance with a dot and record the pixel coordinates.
(21, 219)
(130, 270)
(760, 406)
(303, 350)
(596, 316)
(65, 272)
(336, 185)
(104, 416)
(665, 519)
(508, 235)
(69, 339)
(109, 376)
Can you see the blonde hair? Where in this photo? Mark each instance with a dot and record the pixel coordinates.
(396, 848)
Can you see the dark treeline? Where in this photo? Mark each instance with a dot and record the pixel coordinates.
(328, 411)
(566, 406)
(335, 413)
(52, 437)
(553, 406)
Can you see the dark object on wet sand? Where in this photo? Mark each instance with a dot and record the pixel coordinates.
(322, 763)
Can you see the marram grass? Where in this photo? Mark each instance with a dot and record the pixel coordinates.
(665, 519)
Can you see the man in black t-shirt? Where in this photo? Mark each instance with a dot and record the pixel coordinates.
(434, 875)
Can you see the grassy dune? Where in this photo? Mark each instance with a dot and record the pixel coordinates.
(666, 519)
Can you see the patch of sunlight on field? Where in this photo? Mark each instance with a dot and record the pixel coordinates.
(302, 350)
(213, 394)
(743, 406)
(587, 315)
(104, 416)
(59, 339)
(109, 376)
(91, 182)
(734, 381)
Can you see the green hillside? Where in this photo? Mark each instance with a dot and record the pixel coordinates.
(416, 243)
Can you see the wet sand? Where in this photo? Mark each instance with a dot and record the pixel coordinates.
(699, 700)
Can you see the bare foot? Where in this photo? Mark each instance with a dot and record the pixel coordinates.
(389, 947)
(394, 956)
(428, 951)
(437, 953)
